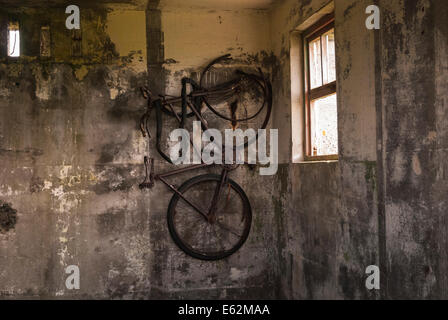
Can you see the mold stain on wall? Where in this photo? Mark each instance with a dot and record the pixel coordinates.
(71, 155)
(8, 217)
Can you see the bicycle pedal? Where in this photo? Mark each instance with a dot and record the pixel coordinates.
(146, 185)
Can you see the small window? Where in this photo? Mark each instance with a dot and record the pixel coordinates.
(76, 43)
(45, 42)
(13, 40)
(321, 104)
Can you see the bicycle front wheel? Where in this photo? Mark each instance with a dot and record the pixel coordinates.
(198, 237)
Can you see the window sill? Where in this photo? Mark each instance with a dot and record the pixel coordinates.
(317, 162)
(321, 158)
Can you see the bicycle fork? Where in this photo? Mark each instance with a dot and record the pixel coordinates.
(212, 211)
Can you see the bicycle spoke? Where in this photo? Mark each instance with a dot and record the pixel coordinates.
(210, 239)
(195, 218)
(219, 239)
(229, 229)
(206, 245)
(200, 237)
(191, 224)
(228, 196)
(199, 207)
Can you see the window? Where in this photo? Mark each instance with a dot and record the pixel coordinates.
(320, 91)
(13, 40)
(76, 43)
(45, 42)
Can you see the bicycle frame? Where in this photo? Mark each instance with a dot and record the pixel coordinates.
(191, 105)
(210, 215)
(195, 100)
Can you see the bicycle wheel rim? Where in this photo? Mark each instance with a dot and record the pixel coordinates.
(178, 236)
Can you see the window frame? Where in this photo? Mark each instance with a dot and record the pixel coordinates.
(13, 26)
(325, 24)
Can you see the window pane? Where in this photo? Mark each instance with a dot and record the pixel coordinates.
(329, 58)
(13, 40)
(315, 64)
(324, 126)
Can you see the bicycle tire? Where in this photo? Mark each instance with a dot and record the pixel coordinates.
(218, 255)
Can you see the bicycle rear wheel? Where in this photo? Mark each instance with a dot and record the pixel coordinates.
(198, 237)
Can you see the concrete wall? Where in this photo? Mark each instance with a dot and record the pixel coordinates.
(71, 158)
(71, 154)
(414, 99)
(382, 202)
(182, 42)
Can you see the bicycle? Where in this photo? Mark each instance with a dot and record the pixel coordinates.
(219, 229)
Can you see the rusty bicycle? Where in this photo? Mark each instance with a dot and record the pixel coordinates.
(209, 216)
